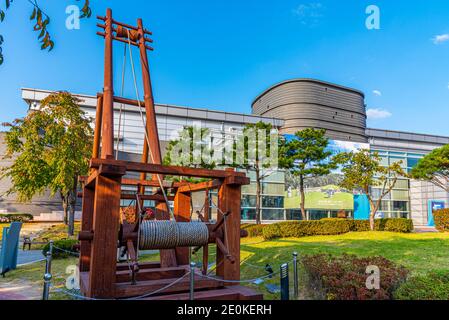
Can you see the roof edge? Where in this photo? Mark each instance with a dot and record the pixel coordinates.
(307, 80)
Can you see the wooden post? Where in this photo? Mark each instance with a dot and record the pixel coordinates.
(86, 226)
(229, 198)
(103, 259)
(107, 135)
(151, 123)
(182, 214)
(98, 125)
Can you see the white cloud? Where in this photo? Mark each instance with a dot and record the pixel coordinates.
(439, 39)
(375, 114)
(377, 93)
(309, 14)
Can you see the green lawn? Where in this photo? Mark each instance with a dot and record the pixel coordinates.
(419, 253)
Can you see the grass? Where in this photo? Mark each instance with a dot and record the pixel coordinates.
(420, 253)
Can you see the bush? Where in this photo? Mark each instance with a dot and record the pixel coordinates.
(400, 225)
(69, 249)
(254, 230)
(333, 226)
(344, 277)
(433, 286)
(441, 218)
(16, 217)
(271, 231)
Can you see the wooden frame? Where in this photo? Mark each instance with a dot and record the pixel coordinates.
(101, 230)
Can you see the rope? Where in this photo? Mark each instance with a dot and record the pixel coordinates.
(169, 234)
(145, 127)
(78, 296)
(121, 105)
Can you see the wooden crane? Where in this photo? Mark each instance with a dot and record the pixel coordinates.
(102, 233)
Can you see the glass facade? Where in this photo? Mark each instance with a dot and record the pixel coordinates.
(397, 203)
(272, 202)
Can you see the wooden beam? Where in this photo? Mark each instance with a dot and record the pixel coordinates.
(154, 197)
(166, 170)
(229, 198)
(103, 255)
(182, 214)
(202, 186)
(148, 183)
(86, 226)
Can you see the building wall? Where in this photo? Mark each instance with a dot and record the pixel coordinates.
(306, 103)
(421, 193)
(41, 204)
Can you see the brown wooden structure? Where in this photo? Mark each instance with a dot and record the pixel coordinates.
(102, 232)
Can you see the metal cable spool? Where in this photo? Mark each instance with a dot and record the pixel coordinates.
(171, 234)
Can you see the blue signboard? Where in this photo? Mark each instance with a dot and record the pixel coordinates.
(433, 206)
(361, 207)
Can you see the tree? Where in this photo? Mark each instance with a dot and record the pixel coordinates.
(51, 148)
(257, 150)
(363, 170)
(305, 156)
(42, 21)
(190, 149)
(434, 168)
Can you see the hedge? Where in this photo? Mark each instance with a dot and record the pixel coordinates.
(433, 286)
(297, 229)
(16, 217)
(344, 277)
(68, 246)
(441, 218)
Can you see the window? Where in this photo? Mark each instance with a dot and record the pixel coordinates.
(272, 202)
(273, 214)
(293, 214)
(400, 205)
(248, 214)
(317, 214)
(248, 201)
(412, 162)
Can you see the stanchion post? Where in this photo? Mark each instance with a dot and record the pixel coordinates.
(295, 275)
(192, 280)
(285, 289)
(47, 275)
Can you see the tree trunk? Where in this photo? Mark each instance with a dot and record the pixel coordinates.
(303, 198)
(72, 207)
(71, 218)
(258, 196)
(372, 214)
(65, 208)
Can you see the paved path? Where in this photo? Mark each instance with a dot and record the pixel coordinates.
(29, 256)
(19, 290)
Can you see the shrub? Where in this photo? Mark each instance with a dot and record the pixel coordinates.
(433, 286)
(344, 277)
(441, 218)
(398, 225)
(271, 231)
(69, 249)
(333, 226)
(254, 230)
(16, 217)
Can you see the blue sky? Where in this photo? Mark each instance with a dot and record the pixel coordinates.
(222, 54)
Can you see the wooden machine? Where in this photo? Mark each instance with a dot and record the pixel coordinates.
(172, 231)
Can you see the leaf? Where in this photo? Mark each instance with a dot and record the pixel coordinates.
(33, 15)
(8, 3)
(2, 15)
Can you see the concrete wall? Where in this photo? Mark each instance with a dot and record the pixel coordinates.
(306, 103)
(420, 194)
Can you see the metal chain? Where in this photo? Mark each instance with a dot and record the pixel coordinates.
(66, 251)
